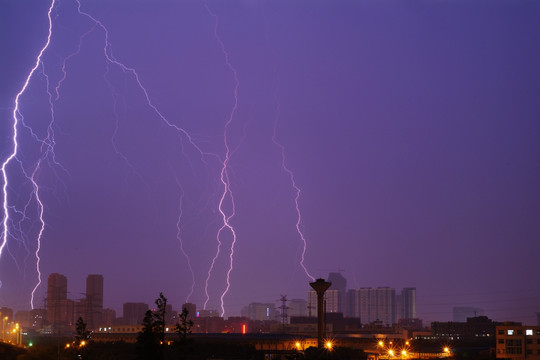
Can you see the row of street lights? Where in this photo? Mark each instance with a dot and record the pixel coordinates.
(392, 352)
(300, 345)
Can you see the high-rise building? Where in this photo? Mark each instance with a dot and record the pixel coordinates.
(57, 302)
(353, 303)
(191, 309)
(108, 317)
(258, 311)
(339, 283)
(360, 305)
(371, 304)
(408, 303)
(335, 298)
(297, 307)
(331, 301)
(94, 301)
(133, 313)
(386, 311)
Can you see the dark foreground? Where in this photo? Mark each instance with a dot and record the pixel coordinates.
(201, 349)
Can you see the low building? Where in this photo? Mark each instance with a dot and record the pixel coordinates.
(476, 328)
(517, 342)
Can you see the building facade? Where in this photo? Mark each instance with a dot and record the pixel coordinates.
(339, 283)
(94, 301)
(297, 307)
(518, 342)
(408, 303)
(59, 308)
(475, 328)
(260, 311)
(133, 313)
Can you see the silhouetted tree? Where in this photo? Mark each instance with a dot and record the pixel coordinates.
(151, 339)
(81, 334)
(82, 339)
(147, 339)
(159, 317)
(183, 329)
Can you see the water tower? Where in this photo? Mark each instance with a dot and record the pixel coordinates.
(320, 286)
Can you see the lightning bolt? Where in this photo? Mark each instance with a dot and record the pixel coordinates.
(107, 51)
(296, 188)
(13, 156)
(180, 239)
(111, 60)
(41, 230)
(224, 178)
(67, 58)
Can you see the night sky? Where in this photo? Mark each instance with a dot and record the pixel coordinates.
(411, 130)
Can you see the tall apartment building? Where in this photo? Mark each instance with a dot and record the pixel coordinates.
(133, 313)
(94, 301)
(386, 308)
(331, 301)
(339, 283)
(259, 311)
(408, 303)
(372, 304)
(191, 309)
(297, 307)
(59, 308)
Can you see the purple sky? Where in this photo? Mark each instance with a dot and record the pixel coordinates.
(412, 129)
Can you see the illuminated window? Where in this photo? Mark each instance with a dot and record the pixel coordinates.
(510, 332)
(528, 332)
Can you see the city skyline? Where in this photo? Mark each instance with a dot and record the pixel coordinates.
(222, 151)
(368, 305)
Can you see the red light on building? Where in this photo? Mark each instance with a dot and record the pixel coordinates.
(244, 329)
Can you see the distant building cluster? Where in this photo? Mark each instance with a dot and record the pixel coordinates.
(368, 304)
(365, 312)
(59, 314)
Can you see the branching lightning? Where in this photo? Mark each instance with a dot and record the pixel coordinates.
(224, 177)
(67, 58)
(107, 51)
(16, 117)
(223, 199)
